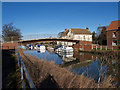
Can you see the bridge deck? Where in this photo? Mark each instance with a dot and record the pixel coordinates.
(47, 39)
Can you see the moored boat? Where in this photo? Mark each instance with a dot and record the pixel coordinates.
(40, 47)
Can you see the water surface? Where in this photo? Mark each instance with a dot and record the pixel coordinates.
(93, 66)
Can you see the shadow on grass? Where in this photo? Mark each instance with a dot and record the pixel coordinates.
(10, 71)
(49, 82)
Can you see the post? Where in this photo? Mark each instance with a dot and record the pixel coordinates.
(22, 78)
(92, 46)
(100, 47)
(106, 47)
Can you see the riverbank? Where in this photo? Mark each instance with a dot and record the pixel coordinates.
(10, 71)
(108, 53)
(47, 74)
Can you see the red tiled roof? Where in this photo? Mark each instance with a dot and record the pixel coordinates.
(114, 25)
(77, 31)
(80, 31)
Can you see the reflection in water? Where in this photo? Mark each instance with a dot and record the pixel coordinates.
(82, 64)
(92, 65)
(41, 51)
(66, 57)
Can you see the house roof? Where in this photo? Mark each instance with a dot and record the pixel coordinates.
(77, 31)
(80, 31)
(114, 25)
(65, 33)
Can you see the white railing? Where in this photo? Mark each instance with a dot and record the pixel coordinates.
(39, 36)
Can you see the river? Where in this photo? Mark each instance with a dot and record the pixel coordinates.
(93, 66)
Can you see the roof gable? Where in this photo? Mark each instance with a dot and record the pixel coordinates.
(114, 25)
(80, 31)
(77, 31)
(65, 33)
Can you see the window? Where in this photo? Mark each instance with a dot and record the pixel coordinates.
(84, 37)
(114, 43)
(114, 34)
(88, 38)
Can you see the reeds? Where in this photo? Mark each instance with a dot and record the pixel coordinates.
(39, 70)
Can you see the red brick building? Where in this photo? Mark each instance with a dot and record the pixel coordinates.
(113, 35)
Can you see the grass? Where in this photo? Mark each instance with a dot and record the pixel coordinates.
(11, 74)
(42, 72)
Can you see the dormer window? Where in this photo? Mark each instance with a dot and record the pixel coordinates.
(114, 34)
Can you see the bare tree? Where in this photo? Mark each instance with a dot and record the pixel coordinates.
(11, 33)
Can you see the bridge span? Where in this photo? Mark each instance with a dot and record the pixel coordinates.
(29, 39)
(47, 39)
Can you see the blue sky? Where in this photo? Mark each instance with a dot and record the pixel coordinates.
(54, 17)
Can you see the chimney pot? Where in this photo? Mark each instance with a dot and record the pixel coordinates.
(65, 29)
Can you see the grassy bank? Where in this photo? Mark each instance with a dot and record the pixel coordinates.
(48, 75)
(10, 71)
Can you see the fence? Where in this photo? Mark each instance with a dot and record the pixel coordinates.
(24, 73)
(99, 47)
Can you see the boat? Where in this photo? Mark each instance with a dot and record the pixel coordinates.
(67, 55)
(35, 47)
(67, 49)
(42, 50)
(58, 48)
(50, 49)
(30, 47)
(40, 47)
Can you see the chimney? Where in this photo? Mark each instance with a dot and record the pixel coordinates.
(87, 28)
(65, 29)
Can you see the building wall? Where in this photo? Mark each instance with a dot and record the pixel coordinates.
(83, 46)
(9, 45)
(118, 39)
(110, 39)
(83, 37)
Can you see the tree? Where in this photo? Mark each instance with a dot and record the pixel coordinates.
(60, 34)
(94, 38)
(101, 36)
(11, 33)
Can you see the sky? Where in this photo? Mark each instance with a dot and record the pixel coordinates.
(53, 17)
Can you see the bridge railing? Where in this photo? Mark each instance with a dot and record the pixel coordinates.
(24, 73)
(39, 36)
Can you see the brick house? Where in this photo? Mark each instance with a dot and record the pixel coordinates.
(113, 35)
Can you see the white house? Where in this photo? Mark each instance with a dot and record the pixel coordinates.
(76, 34)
